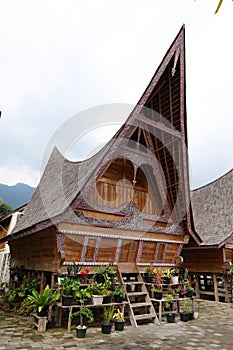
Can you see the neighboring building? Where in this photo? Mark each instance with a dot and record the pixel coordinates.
(128, 203)
(212, 207)
(7, 224)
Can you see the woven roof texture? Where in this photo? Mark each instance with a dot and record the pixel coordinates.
(213, 210)
(59, 185)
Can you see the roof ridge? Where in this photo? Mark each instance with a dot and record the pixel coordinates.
(211, 182)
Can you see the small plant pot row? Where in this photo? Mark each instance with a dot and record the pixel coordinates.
(105, 329)
(184, 316)
(96, 300)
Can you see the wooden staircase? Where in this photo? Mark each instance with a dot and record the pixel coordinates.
(140, 307)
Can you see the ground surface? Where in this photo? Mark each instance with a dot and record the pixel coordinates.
(212, 330)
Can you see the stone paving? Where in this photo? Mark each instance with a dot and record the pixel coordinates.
(212, 330)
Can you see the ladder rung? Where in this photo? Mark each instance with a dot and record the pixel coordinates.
(144, 316)
(136, 294)
(140, 304)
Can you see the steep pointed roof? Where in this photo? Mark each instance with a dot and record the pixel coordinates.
(213, 210)
(157, 124)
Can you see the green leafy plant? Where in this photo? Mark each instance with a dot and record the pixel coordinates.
(109, 269)
(68, 285)
(119, 290)
(85, 316)
(96, 289)
(82, 293)
(27, 286)
(44, 299)
(231, 271)
(169, 300)
(108, 314)
(74, 269)
(149, 271)
(188, 286)
(186, 306)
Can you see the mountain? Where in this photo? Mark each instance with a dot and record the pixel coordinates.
(16, 195)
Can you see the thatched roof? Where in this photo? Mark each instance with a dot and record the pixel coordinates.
(213, 210)
(59, 185)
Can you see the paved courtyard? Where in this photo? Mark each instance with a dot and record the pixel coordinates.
(212, 330)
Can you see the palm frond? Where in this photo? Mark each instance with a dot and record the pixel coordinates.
(219, 5)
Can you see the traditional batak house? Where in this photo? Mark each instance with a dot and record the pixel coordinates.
(209, 263)
(130, 202)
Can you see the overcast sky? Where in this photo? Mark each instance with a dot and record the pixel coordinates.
(59, 58)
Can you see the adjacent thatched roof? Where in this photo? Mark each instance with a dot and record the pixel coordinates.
(213, 210)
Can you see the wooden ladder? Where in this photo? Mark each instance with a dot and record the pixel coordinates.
(140, 307)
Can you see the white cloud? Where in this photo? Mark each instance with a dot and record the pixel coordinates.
(59, 57)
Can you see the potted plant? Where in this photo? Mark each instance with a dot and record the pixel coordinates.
(167, 276)
(84, 276)
(149, 275)
(83, 295)
(119, 293)
(182, 291)
(186, 310)
(68, 287)
(85, 318)
(96, 291)
(119, 320)
(104, 271)
(174, 276)
(168, 305)
(44, 300)
(106, 324)
(156, 293)
(158, 274)
(189, 289)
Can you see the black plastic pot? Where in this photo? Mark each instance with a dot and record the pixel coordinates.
(119, 325)
(99, 278)
(43, 312)
(107, 299)
(184, 316)
(158, 295)
(189, 293)
(106, 328)
(182, 295)
(149, 279)
(118, 299)
(166, 280)
(191, 316)
(81, 332)
(171, 317)
(66, 300)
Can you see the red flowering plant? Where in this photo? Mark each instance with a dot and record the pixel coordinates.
(84, 275)
(26, 309)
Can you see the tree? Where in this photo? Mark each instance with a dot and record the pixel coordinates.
(4, 208)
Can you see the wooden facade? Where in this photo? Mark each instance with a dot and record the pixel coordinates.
(213, 218)
(129, 203)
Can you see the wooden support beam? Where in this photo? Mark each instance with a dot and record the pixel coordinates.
(216, 297)
(42, 282)
(197, 288)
